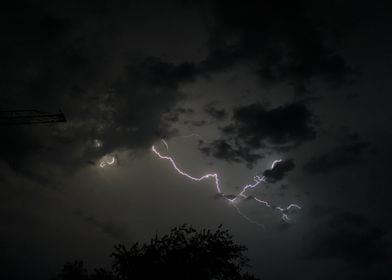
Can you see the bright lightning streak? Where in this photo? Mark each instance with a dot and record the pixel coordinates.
(257, 180)
(247, 218)
(215, 176)
(275, 162)
(165, 143)
(104, 163)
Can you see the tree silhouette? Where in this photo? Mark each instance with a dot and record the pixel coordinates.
(184, 253)
(74, 271)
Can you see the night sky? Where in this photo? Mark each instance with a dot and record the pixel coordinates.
(247, 83)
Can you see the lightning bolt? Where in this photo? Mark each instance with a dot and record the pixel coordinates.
(241, 195)
(165, 143)
(215, 176)
(275, 162)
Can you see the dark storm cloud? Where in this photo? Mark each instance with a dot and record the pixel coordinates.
(279, 38)
(69, 59)
(148, 91)
(128, 115)
(174, 115)
(196, 123)
(222, 149)
(283, 127)
(340, 156)
(349, 237)
(254, 126)
(279, 170)
(216, 113)
(282, 226)
(57, 59)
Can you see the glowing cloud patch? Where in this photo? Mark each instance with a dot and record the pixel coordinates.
(97, 143)
(107, 162)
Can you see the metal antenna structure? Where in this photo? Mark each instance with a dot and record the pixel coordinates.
(27, 117)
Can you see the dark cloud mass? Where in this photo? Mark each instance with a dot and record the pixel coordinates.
(221, 149)
(280, 38)
(147, 91)
(339, 157)
(175, 114)
(116, 114)
(221, 86)
(285, 126)
(279, 170)
(350, 237)
(254, 127)
(52, 60)
(215, 112)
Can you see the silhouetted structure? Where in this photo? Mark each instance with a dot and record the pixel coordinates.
(183, 254)
(20, 117)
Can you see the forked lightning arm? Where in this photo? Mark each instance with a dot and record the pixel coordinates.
(215, 176)
(257, 181)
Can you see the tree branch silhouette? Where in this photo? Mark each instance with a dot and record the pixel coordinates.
(184, 253)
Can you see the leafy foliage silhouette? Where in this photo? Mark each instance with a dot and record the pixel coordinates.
(184, 253)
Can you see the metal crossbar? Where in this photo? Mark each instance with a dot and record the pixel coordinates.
(20, 117)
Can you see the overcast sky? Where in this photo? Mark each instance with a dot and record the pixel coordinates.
(249, 82)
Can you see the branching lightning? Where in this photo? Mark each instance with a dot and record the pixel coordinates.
(241, 195)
